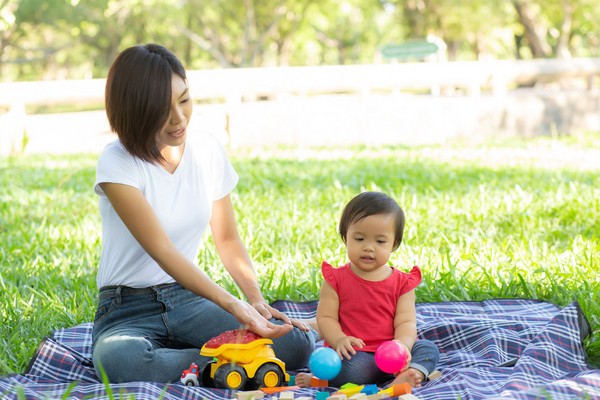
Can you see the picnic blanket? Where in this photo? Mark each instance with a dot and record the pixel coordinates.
(495, 349)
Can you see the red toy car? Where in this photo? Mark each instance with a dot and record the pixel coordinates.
(189, 377)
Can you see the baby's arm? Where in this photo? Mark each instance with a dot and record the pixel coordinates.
(405, 320)
(329, 324)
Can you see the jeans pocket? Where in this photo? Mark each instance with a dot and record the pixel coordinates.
(105, 307)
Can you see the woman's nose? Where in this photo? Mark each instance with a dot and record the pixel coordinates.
(176, 116)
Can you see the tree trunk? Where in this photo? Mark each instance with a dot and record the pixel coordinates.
(562, 48)
(535, 34)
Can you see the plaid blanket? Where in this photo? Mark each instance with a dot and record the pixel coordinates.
(508, 349)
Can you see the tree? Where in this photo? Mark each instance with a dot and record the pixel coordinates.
(350, 31)
(536, 29)
(558, 28)
(246, 34)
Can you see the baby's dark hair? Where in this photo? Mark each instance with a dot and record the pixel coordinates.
(372, 203)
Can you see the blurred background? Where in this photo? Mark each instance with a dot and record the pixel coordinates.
(417, 71)
(78, 39)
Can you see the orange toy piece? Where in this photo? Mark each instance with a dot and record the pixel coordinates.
(241, 357)
(316, 382)
(397, 390)
(278, 389)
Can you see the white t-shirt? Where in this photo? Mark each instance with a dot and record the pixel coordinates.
(182, 201)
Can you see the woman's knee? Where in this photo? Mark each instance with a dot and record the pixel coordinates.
(121, 358)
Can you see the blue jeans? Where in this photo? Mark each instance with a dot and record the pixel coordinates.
(362, 370)
(153, 334)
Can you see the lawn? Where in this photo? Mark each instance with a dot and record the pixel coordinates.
(512, 219)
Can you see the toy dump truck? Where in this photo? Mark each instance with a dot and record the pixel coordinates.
(241, 360)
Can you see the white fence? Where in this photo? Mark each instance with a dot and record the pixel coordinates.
(311, 104)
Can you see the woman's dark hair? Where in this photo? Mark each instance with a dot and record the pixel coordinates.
(372, 203)
(138, 97)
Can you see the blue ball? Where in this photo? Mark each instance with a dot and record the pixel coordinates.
(325, 363)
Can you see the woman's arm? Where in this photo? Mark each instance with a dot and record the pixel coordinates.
(232, 251)
(137, 214)
(329, 323)
(236, 260)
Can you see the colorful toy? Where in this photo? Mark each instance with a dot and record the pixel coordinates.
(189, 377)
(396, 390)
(351, 389)
(316, 382)
(242, 359)
(279, 389)
(325, 363)
(391, 357)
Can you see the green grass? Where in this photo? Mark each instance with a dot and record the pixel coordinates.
(515, 219)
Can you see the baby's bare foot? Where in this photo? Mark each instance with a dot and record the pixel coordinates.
(412, 376)
(303, 379)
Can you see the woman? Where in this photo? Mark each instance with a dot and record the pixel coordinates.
(157, 193)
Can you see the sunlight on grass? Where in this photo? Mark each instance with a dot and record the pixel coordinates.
(482, 222)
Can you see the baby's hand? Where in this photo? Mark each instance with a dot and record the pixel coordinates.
(408, 357)
(345, 346)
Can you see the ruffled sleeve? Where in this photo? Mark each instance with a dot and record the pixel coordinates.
(329, 274)
(411, 279)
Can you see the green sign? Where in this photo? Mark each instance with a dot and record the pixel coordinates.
(412, 49)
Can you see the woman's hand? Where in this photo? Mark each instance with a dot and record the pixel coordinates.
(252, 320)
(269, 312)
(345, 346)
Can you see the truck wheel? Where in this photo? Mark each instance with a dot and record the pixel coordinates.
(204, 375)
(230, 376)
(268, 375)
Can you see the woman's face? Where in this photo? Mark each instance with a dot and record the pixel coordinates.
(174, 131)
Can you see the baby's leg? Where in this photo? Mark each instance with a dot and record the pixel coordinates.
(360, 370)
(424, 358)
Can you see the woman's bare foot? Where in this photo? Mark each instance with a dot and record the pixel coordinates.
(303, 379)
(412, 376)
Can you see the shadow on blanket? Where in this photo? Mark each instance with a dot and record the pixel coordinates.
(516, 349)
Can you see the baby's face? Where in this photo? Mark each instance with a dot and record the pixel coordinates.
(370, 243)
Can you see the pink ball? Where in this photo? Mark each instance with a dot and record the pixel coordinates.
(391, 357)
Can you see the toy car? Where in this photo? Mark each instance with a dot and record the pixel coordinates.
(241, 360)
(189, 377)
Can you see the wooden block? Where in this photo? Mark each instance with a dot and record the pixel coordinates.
(340, 396)
(250, 395)
(409, 396)
(316, 382)
(358, 396)
(287, 395)
(434, 375)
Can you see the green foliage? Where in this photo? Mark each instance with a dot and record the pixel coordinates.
(479, 224)
(79, 39)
